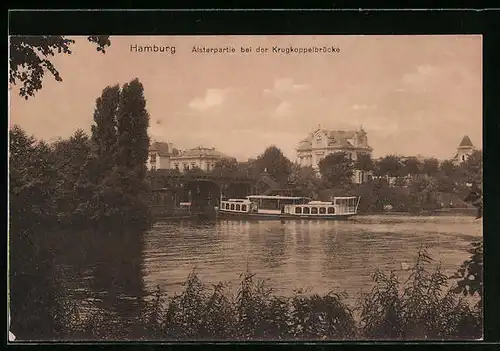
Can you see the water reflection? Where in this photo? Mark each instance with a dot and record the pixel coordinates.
(107, 269)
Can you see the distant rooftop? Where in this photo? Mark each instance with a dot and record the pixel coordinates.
(162, 148)
(466, 142)
(336, 138)
(203, 151)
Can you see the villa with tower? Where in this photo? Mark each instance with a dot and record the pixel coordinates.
(322, 142)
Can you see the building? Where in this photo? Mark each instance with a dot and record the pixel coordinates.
(159, 155)
(165, 156)
(321, 142)
(200, 157)
(464, 150)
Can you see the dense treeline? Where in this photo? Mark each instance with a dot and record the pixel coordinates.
(85, 180)
(403, 184)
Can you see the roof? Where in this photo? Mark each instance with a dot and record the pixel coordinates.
(160, 147)
(466, 142)
(336, 139)
(276, 197)
(202, 152)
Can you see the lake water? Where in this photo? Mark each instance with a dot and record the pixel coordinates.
(319, 255)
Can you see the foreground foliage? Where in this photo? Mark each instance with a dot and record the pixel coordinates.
(425, 306)
(30, 58)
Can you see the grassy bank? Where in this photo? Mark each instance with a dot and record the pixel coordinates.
(428, 305)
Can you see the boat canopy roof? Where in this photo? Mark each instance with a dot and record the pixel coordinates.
(237, 200)
(276, 197)
(345, 197)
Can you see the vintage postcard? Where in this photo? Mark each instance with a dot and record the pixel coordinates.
(278, 188)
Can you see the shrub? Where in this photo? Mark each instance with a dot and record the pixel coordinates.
(424, 307)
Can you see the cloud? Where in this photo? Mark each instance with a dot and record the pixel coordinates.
(213, 97)
(285, 85)
(283, 109)
(421, 75)
(363, 107)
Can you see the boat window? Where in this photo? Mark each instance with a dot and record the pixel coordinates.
(237, 207)
(227, 206)
(298, 209)
(232, 206)
(306, 210)
(244, 208)
(331, 210)
(322, 210)
(314, 210)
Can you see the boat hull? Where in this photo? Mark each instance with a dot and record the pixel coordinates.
(280, 216)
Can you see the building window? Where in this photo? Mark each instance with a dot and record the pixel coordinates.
(463, 157)
(331, 210)
(185, 166)
(208, 166)
(306, 210)
(314, 210)
(298, 210)
(153, 167)
(193, 165)
(176, 166)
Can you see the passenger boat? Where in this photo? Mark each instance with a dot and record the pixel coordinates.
(288, 207)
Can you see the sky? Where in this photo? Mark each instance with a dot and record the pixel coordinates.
(413, 95)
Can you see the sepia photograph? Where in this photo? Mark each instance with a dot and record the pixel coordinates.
(245, 188)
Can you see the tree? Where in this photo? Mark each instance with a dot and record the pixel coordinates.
(430, 166)
(194, 172)
(447, 168)
(445, 183)
(33, 179)
(473, 167)
(21, 150)
(470, 273)
(29, 59)
(125, 190)
(71, 157)
(276, 164)
(424, 193)
(132, 127)
(105, 129)
(411, 166)
(306, 180)
(389, 165)
(226, 167)
(337, 169)
(364, 162)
